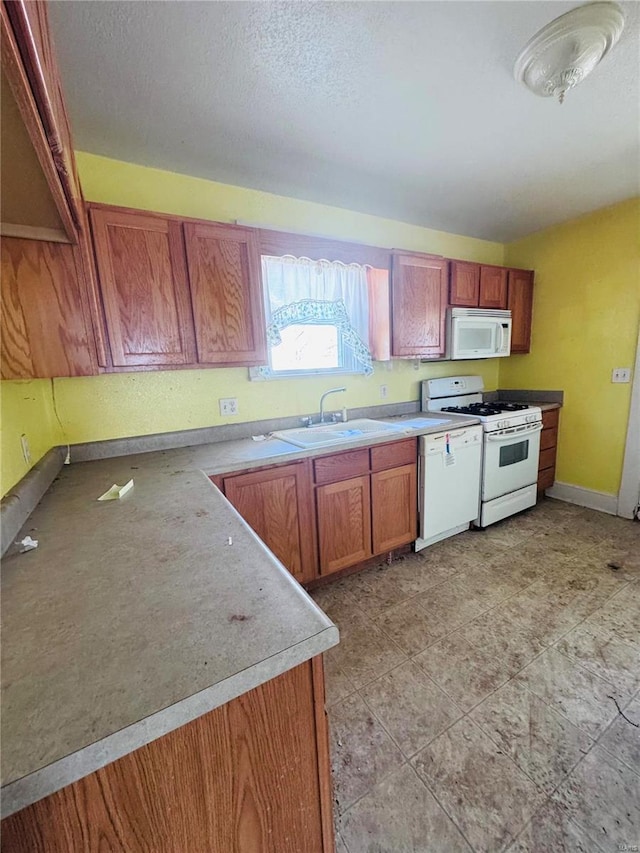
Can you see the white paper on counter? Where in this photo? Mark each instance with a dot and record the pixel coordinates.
(116, 492)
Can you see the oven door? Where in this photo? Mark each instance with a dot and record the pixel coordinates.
(510, 460)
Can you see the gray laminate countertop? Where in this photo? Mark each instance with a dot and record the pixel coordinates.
(132, 618)
(135, 616)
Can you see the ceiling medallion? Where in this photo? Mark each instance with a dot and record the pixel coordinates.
(564, 52)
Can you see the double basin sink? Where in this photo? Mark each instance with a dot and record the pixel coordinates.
(327, 435)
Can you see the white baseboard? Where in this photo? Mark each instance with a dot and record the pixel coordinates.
(602, 501)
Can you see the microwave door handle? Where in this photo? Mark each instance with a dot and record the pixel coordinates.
(501, 337)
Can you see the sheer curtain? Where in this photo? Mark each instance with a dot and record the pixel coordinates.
(292, 279)
(301, 290)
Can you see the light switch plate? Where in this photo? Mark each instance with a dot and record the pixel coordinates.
(384, 391)
(621, 374)
(228, 406)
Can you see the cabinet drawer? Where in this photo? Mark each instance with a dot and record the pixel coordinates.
(550, 418)
(547, 458)
(394, 455)
(548, 438)
(341, 466)
(546, 478)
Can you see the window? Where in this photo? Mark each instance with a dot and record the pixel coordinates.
(319, 316)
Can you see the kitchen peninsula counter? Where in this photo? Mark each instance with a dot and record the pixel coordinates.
(135, 616)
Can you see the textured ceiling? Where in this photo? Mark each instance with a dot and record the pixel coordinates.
(404, 109)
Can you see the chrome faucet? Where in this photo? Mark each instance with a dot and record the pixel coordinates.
(326, 394)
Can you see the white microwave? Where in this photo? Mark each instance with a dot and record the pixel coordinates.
(478, 333)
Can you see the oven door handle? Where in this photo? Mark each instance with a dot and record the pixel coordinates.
(514, 432)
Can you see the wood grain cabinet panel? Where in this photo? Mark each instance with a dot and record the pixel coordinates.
(340, 466)
(394, 507)
(493, 287)
(44, 327)
(548, 449)
(144, 289)
(520, 303)
(251, 777)
(394, 454)
(277, 503)
(464, 287)
(226, 294)
(31, 69)
(548, 438)
(419, 302)
(344, 523)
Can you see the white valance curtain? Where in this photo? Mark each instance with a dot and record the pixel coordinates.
(300, 290)
(292, 279)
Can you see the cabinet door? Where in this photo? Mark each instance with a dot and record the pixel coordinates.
(521, 307)
(226, 294)
(44, 327)
(464, 290)
(419, 305)
(394, 507)
(34, 80)
(143, 284)
(344, 523)
(493, 287)
(277, 504)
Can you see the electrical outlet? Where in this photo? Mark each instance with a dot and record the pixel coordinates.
(228, 406)
(26, 450)
(384, 390)
(621, 374)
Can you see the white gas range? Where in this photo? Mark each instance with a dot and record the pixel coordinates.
(511, 443)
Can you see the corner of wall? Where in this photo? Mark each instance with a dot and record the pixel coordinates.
(26, 408)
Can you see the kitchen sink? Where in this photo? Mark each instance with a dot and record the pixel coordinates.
(325, 435)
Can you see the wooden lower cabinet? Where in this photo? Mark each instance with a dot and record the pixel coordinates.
(344, 523)
(370, 514)
(394, 510)
(252, 776)
(328, 513)
(277, 504)
(548, 450)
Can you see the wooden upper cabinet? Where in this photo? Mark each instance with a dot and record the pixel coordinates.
(277, 504)
(44, 325)
(419, 302)
(493, 287)
(144, 289)
(520, 304)
(226, 293)
(464, 289)
(42, 197)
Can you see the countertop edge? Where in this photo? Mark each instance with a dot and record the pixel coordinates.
(47, 780)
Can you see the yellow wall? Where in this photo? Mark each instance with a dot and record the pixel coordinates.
(586, 316)
(113, 406)
(26, 407)
(129, 185)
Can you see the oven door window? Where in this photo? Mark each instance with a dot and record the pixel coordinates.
(511, 454)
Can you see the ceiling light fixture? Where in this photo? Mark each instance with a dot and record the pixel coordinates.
(564, 52)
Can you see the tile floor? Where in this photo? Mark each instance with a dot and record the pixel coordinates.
(471, 698)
